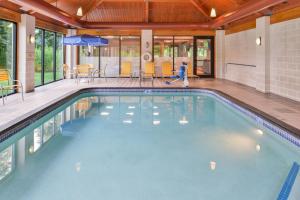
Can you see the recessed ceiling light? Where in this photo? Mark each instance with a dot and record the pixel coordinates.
(130, 113)
(156, 113)
(131, 107)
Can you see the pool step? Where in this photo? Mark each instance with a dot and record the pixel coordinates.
(289, 182)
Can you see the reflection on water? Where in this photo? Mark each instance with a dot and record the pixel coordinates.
(174, 142)
(6, 162)
(67, 122)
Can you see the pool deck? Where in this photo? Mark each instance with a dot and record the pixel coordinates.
(280, 109)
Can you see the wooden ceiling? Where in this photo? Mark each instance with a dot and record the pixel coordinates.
(162, 11)
(176, 13)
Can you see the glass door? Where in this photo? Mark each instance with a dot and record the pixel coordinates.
(204, 56)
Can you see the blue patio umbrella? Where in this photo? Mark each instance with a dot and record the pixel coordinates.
(85, 40)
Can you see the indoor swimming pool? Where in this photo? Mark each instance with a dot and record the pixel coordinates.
(153, 145)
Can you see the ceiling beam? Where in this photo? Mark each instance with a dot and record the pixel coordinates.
(200, 8)
(121, 25)
(245, 11)
(48, 10)
(147, 11)
(94, 5)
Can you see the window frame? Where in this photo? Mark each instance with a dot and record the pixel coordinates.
(53, 58)
(14, 52)
(118, 37)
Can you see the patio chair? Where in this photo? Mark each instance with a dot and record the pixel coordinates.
(167, 69)
(7, 83)
(68, 70)
(149, 71)
(84, 71)
(126, 70)
(191, 71)
(98, 73)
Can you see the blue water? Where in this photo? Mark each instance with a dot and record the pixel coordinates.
(140, 146)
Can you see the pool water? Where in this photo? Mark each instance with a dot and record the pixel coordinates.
(134, 146)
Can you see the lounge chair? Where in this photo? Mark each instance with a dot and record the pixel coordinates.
(84, 71)
(126, 70)
(7, 83)
(167, 69)
(97, 73)
(149, 71)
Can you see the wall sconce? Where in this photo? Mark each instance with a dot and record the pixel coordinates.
(31, 39)
(258, 41)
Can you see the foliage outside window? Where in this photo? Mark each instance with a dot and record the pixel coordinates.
(7, 48)
(49, 57)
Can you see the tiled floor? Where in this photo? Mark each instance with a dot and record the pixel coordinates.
(15, 110)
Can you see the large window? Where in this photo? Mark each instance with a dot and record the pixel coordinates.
(119, 50)
(89, 55)
(163, 50)
(196, 51)
(204, 58)
(109, 56)
(183, 50)
(131, 52)
(8, 48)
(49, 57)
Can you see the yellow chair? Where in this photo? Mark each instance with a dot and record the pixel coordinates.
(149, 71)
(126, 69)
(84, 71)
(191, 71)
(7, 83)
(167, 69)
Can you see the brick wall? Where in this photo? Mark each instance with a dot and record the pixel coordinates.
(240, 48)
(285, 59)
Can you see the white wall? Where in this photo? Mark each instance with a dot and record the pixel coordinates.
(240, 48)
(284, 53)
(220, 53)
(285, 59)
